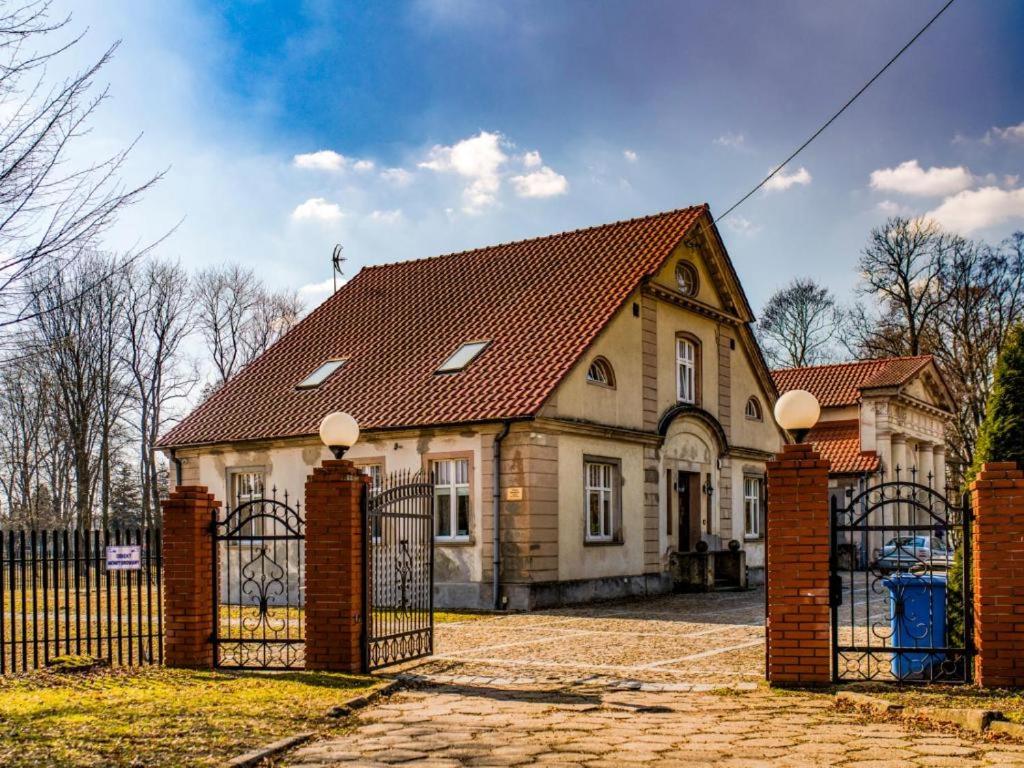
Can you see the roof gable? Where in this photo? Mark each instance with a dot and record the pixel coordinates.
(844, 383)
(540, 303)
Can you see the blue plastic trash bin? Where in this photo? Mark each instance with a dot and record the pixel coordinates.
(917, 616)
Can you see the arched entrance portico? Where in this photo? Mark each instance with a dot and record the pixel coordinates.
(693, 448)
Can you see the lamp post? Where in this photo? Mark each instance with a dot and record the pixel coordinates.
(339, 432)
(796, 412)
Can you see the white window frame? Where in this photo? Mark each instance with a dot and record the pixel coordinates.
(255, 527)
(602, 478)
(451, 488)
(753, 404)
(323, 372)
(753, 500)
(686, 371)
(463, 356)
(605, 376)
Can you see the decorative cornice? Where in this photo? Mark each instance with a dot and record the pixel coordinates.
(674, 297)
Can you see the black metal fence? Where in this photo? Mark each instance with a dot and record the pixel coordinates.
(259, 594)
(67, 592)
(900, 565)
(398, 575)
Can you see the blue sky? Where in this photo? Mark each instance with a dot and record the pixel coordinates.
(404, 130)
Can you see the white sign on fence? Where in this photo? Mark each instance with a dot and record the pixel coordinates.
(124, 558)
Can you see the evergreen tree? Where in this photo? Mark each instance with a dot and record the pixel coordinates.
(1002, 433)
(125, 497)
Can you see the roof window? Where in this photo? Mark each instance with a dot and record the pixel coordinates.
(321, 374)
(463, 356)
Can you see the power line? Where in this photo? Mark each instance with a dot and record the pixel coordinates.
(832, 119)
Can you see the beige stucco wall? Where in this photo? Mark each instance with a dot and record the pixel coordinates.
(706, 291)
(286, 465)
(619, 344)
(576, 559)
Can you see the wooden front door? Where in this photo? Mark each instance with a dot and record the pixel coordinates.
(688, 485)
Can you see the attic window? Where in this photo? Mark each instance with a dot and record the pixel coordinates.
(321, 374)
(463, 356)
(686, 278)
(753, 409)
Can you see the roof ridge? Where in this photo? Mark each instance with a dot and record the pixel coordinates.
(537, 238)
(888, 359)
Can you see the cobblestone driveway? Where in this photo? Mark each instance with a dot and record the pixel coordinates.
(669, 681)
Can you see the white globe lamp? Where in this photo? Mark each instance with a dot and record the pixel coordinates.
(796, 412)
(339, 432)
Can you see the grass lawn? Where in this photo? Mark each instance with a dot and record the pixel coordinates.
(160, 717)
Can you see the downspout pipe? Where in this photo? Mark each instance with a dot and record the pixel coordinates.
(177, 468)
(496, 512)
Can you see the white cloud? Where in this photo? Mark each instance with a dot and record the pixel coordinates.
(979, 208)
(532, 159)
(909, 178)
(629, 154)
(783, 181)
(742, 226)
(313, 294)
(734, 140)
(324, 160)
(386, 217)
(1009, 133)
(397, 176)
(542, 183)
(478, 159)
(892, 208)
(317, 209)
(329, 160)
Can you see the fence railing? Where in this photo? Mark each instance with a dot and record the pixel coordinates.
(66, 592)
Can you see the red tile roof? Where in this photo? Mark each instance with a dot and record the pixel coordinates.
(540, 302)
(841, 383)
(839, 442)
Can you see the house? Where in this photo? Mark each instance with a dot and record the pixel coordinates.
(600, 390)
(877, 417)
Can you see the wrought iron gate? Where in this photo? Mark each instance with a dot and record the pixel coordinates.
(398, 576)
(258, 611)
(900, 559)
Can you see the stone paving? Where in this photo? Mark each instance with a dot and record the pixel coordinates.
(669, 681)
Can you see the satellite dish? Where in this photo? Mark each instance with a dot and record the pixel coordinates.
(337, 262)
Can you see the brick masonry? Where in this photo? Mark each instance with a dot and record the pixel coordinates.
(334, 567)
(997, 575)
(798, 621)
(188, 584)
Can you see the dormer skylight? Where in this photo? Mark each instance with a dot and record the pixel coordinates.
(463, 356)
(321, 374)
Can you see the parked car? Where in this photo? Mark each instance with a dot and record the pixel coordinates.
(905, 553)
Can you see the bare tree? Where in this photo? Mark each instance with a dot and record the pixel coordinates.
(902, 272)
(799, 325)
(986, 298)
(52, 210)
(159, 320)
(239, 318)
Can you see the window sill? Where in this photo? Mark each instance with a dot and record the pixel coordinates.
(603, 543)
(748, 537)
(461, 541)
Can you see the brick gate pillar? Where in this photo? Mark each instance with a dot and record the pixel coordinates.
(798, 626)
(997, 578)
(188, 577)
(334, 567)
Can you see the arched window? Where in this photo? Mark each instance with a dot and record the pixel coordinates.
(687, 369)
(600, 372)
(753, 410)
